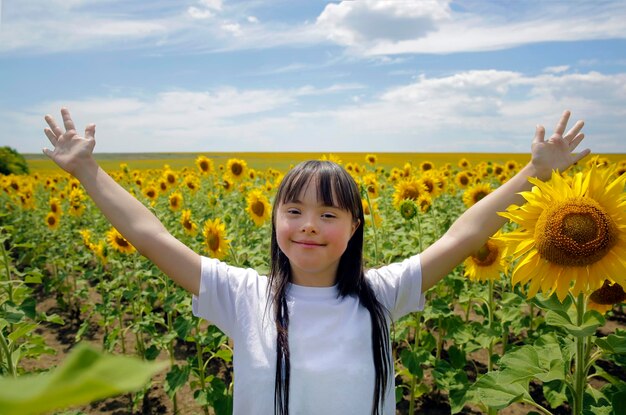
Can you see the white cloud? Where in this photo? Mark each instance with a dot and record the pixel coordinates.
(397, 27)
(480, 111)
(556, 69)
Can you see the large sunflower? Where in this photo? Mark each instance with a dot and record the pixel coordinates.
(571, 234)
(258, 207)
(215, 238)
(205, 165)
(236, 168)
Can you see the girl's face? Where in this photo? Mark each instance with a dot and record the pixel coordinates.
(313, 236)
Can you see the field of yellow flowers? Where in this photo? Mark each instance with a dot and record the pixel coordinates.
(532, 323)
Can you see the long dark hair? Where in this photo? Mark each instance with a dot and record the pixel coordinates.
(335, 187)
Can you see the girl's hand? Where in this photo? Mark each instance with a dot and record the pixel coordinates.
(71, 151)
(556, 152)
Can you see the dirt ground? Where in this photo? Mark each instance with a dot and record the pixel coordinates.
(61, 339)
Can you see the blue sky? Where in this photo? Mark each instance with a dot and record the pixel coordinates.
(321, 76)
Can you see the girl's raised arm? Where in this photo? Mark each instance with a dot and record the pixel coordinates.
(130, 217)
(474, 227)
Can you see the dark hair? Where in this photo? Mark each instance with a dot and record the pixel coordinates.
(335, 187)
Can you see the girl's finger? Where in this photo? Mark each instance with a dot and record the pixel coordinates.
(573, 132)
(58, 132)
(576, 140)
(581, 155)
(51, 136)
(90, 131)
(560, 127)
(540, 133)
(67, 119)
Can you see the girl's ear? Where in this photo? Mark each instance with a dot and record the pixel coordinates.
(355, 226)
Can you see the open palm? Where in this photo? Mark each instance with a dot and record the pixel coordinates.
(70, 149)
(556, 152)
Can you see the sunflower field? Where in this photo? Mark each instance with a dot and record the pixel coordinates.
(534, 322)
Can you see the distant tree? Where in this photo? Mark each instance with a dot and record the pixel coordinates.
(12, 162)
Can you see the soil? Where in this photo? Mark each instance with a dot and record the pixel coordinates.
(61, 339)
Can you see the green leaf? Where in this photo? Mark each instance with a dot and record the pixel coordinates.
(176, 379)
(619, 402)
(85, 376)
(613, 343)
(22, 330)
(224, 354)
(490, 390)
(411, 361)
(591, 322)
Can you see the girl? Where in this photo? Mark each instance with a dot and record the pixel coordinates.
(314, 336)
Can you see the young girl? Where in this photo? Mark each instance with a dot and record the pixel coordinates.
(313, 337)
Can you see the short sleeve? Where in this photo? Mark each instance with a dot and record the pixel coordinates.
(399, 286)
(223, 288)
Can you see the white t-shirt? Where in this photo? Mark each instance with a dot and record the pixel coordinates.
(332, 369)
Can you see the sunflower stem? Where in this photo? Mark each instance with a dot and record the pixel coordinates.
(490, 306)
(416, 342)
(580, 364)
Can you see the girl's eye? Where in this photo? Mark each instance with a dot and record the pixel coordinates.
(293, 211)
(328, 215)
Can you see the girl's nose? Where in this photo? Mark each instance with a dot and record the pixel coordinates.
(308, 227)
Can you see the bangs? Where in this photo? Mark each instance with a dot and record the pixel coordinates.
(335, 187)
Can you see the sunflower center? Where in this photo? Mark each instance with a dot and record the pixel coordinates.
(479, 195)
(214, 242)
(258, 208)
(486, 255)
(236, 169)
(575, 232)
(121, 242)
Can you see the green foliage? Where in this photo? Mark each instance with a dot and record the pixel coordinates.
(12, 162)
(85, 376)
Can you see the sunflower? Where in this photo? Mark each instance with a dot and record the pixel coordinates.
(512, 165)
(76, 202)
(86, 234)
(55, 206)
(464, 163)
(205, 165)
(118, 242)
(602, 299)
(227, 184)
(475, 193)
(371, 211)
(215, 238)
(462, 179)
(332, 157)
(424, 202)
(258, 207)
(52, 221)
(408, 209)
(236, 168)
(189, 226)
(371, 159)
(192, 182)
(407, 189)
(487, 262)
(176, 201)
(426, 166)
(170, 177)
(151, 193)
(570, 234)
(370, 183)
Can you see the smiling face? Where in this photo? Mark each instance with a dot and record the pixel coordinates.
(313, 236)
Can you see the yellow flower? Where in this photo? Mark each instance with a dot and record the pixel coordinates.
(371, 159)
(426, 166)
(227, 184)
(371, 211)
(215, 238)
(332, 157)
(86, 234)
(76, 202)
(605, 297)
(170, 177)
(487, 262)
(424, 202)
(371, 185)
(570, 234)
(192, 182)
(189, 226)
(258, 207)
(176, 201)
(407, 189)
(464, 163)
(236, 168)
(205, 165)
(55, 206)
(118, 242)
(462, 179)
(151, 193)
(52, 221)
(475, 193)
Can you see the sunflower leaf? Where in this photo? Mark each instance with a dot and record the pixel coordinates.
(492, 391)
(613, 343)
(590, 324)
